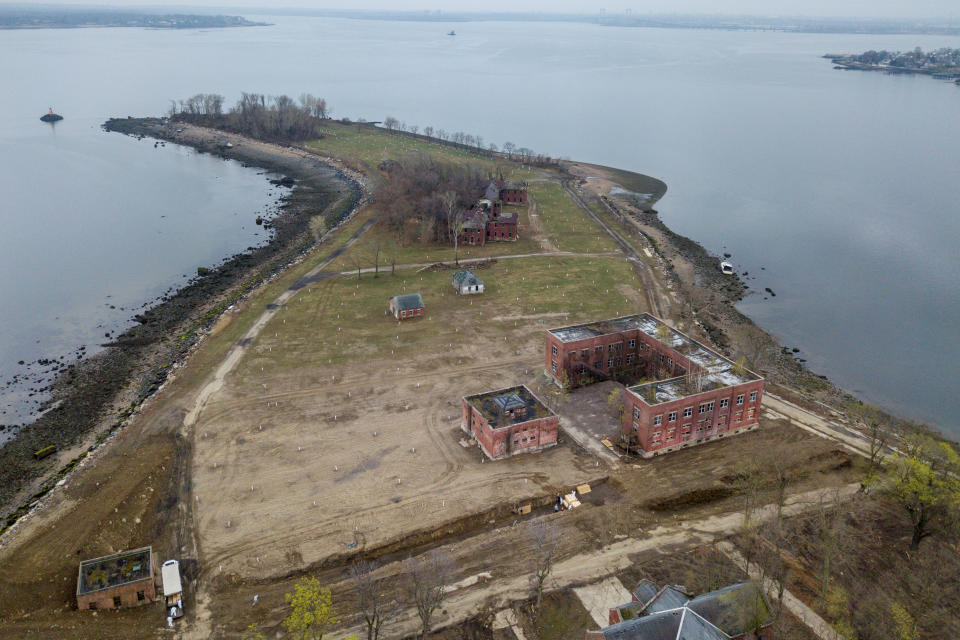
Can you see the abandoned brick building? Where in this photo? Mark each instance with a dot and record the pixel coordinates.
(121, 580)
(407, 306)
(509, 421)
(690, 394)
(737, 612)
(507, 192)
(487, 223)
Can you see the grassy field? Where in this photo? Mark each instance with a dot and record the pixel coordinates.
(566, 226)
(368, 146)
(338, 320)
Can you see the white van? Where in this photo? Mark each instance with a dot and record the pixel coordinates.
(172, 588)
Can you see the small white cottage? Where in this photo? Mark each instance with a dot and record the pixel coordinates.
(465, 282)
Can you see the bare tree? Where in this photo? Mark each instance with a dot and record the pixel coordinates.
(373, 605)
(375, 250)
(357, 262)
(878, 442)
(545, 540)
(456, 218)
(390, 123)
(424, 585)
(750, 484)
(829, 520)
(428, 131)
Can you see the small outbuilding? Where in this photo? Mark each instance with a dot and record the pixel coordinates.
(466, 282)
(407, 306)
(121, 580)
(509, 421)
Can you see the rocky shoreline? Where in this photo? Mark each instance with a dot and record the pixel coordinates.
(94, 396)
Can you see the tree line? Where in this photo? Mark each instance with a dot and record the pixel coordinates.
(473, 143)
(256, 115)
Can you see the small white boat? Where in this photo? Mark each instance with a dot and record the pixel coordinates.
(726, 268)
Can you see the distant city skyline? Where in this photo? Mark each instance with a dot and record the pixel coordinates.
(807, 8)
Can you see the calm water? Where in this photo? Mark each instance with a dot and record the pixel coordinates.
(842, 186)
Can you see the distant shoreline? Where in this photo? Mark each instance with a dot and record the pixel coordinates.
(11, 20)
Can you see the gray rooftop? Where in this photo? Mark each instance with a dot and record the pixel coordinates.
(667, 598)
(645, 591)
(494, 405)
(466, 277)
(719, 615)
(115, 570)
(408, 301)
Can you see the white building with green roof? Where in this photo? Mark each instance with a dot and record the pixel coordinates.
(466, 282)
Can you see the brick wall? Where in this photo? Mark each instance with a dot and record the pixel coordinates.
(565, 360)
(514, 196)
(498, 443)
(713, 422)
(128, 594)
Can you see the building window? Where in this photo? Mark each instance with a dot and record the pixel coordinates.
(685, 428)
(598, 349)
(636, 426)
(618, 360)
(554, 349)
(657, 420)
(749, 413)
(585, 353)
(710, 406)
(662, 357)
(92, 606)
(629, 358)
(670, 362)
(724, 403)
(753, 397)
(703, 408)
(633, 343)
(739, 417)
(140, 596)
(740, 399)
(687, 412)
(609, 363)
(672, 417)
(554, 365)
(636, 413)
(117, 603)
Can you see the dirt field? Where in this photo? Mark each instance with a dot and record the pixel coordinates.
(341, 421)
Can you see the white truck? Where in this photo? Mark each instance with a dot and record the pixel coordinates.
(172, 589)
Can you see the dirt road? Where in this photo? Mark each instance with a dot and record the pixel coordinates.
(504, 586)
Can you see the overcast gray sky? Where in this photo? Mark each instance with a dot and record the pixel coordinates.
(861, 8)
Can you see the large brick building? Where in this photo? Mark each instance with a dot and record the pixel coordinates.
(487, 223)
(697, 394)
(737, 612)
(509, 421)
(121, 580)
(507, 192)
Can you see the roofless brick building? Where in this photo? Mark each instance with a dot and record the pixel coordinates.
(121, 580)
(689, 394)
(509, 421)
